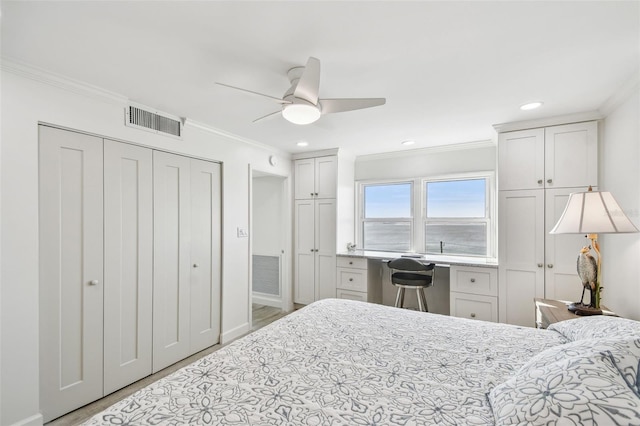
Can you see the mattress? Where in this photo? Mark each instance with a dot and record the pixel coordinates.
(341, 362)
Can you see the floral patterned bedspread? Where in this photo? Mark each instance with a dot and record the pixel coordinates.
(340, 362)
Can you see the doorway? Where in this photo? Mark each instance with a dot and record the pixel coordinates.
(270, 283)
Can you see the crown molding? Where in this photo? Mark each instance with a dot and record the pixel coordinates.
(82, 88)
(425, 151)
(216, 131)
(313, 154)
(62, 82)
(631, 86)
(548, 121)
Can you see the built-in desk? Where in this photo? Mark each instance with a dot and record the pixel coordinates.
(473, 282)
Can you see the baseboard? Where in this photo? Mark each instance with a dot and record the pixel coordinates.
(266, 300)
(35, 420)
(234, 333)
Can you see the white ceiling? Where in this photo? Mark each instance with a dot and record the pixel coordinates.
(449, 70)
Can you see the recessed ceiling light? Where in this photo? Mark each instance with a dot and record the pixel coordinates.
(531, 105)
(302, 143)
(409, 142)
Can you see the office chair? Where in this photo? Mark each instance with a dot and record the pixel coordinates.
(411, 274)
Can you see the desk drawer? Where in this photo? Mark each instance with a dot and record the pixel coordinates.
(351, 295)
(351, 262)
(352, 279)
(474, 307)
(472, 280)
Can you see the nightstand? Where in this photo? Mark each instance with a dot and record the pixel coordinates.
(550, 311)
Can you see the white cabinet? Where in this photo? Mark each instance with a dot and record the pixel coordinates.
(315, 250)
(323, 220)
(564, 156)
(538, 169)
(354, 281)
(95, 268)
(473, 293)
(186, 257)
(316, 177)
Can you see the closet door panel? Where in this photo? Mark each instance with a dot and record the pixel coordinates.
(205, 254)
(304, 248)
(71, 273)
(128, 225)
(172, 268)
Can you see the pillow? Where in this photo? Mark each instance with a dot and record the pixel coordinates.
(597, 326)
(583, 382)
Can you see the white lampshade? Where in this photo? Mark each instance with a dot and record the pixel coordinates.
(593, 212)
(301, 113)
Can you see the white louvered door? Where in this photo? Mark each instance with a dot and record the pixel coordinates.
(71, 270)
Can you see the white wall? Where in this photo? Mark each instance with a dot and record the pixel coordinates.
(427, 162)
(31, 98)
(620, 174)
(268, 233)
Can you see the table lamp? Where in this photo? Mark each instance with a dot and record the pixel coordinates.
(592, 213)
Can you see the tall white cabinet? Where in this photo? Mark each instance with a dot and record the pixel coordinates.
(538, 169)
(323, 191)
(100, 303)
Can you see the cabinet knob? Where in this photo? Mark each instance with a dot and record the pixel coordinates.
(312, 250)
(473, 280)
(540, 265)
(195, 265)
(311, 194)
(350, 263)
(549, 180)
(473, 315)
(550, 265)
(350, 279)
(315, 193)
(94, 282)
(540, 181)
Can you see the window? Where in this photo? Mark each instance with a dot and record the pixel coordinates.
(387, 219)
(456, 220)
(450, 215)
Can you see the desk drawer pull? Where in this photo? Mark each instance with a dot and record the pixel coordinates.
(473, 315)
(473, 280)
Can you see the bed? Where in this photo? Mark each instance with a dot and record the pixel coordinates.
(341, 362)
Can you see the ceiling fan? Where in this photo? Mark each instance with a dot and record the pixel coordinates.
(301, 105)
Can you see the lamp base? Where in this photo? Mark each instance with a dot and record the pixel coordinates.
(583, 310)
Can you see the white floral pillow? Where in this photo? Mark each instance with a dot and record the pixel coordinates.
(597, 326)
(587, 382)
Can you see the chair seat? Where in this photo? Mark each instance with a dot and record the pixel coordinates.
(410, 279)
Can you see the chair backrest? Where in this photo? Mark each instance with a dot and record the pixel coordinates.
(409, 264)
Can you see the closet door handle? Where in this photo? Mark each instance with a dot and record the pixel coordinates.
(540, 181)
(549, 180)
(311, 194)
(94, 282)
(195, 265)
(473, 280)
(550, 265)
(540, 265)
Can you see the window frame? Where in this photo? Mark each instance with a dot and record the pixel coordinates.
(419, 219)
(361, 220)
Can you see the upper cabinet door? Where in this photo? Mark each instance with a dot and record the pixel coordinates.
(305, 179)
(571, 155)
(326, 177)
(316, 178)
(521, 160)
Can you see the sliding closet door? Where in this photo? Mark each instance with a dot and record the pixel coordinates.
(128, 263)
(172, 267)
(71, 274)
(205, 254)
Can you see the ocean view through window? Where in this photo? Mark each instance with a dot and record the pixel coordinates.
(451, 215)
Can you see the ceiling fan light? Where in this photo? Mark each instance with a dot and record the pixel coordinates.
(300, 113)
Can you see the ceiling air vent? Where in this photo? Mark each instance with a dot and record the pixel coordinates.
(142, 119)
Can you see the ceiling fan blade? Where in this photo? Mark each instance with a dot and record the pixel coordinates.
(282, 101)
(329, 106)
(309, 83)
(266, 116)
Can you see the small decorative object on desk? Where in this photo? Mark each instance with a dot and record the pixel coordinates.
(351, 247)
(592, 213)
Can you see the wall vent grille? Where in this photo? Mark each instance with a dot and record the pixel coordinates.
(140, 118)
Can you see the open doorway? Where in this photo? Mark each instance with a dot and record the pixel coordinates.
(269, 255)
